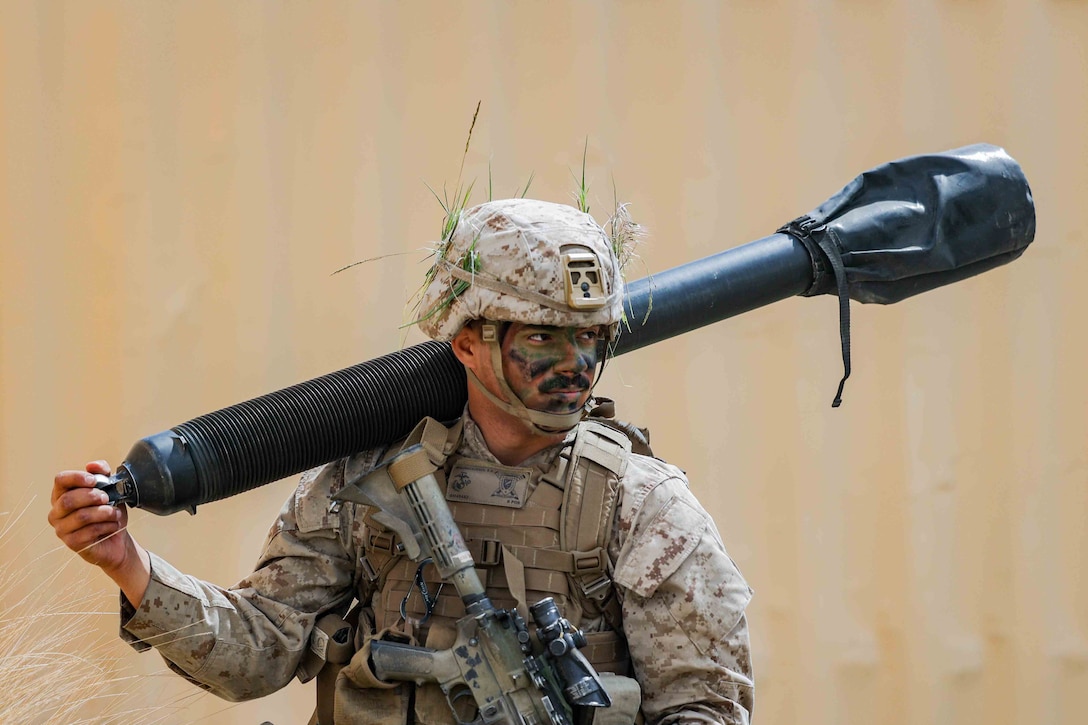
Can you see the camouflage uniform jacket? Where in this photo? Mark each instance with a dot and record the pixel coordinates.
(682, 597)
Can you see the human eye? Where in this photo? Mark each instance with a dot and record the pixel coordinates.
(590, 334)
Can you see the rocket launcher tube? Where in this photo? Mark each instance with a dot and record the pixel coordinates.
(253, 443)
(899, 229)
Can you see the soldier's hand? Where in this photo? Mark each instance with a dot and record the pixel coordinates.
(83, 519)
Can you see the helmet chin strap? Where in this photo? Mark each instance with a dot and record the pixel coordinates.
(538, 421)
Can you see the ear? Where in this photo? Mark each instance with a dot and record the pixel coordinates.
(469, 347)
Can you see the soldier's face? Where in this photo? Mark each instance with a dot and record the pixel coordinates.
(550, 368)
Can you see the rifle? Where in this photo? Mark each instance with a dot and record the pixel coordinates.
(492, 675)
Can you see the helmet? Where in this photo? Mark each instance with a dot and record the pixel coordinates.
(527, 261)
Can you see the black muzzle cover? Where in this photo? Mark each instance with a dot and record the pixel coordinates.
(915, 224)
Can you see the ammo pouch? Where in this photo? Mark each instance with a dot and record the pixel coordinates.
(348, 692)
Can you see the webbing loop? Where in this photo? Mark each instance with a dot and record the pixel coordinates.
(804, 229)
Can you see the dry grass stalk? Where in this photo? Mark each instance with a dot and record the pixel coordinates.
(60, 661)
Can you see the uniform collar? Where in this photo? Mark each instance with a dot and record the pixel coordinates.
(474, 446)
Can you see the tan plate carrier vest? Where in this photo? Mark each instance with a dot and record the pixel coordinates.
(554, 545)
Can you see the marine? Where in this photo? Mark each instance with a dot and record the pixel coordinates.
(553, 497)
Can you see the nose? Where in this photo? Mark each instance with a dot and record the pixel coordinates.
(574, 358)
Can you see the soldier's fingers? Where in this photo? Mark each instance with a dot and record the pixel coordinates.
(78, 479)
(87, 516)
(88, 536)
(67, 480)
(99, 466)
(88, 508)
(74, 499)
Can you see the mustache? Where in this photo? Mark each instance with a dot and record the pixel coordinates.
(565, 382)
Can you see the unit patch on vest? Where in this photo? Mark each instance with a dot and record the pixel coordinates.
(488, 483)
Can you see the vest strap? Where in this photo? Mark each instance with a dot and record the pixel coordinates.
(515, 580)
(437, 440)
(412, 467)
(331, 647)
(599, 456)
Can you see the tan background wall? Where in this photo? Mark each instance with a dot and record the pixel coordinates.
(178, 180)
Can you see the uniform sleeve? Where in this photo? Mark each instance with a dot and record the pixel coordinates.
(683, 607)
(250, 640)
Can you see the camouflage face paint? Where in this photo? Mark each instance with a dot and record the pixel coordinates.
(550, 368)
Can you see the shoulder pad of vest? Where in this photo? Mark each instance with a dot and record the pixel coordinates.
(603, 445)
(639, 438)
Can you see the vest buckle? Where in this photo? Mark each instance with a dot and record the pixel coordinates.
(590, 571)
(385, 541)
(599, 589)
(368, 569)
(490, 552)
